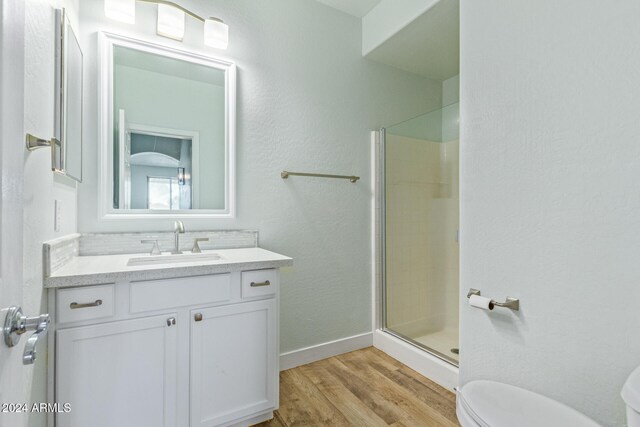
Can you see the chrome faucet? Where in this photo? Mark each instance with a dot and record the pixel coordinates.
(178, 228)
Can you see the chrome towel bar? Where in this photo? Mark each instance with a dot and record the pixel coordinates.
(510, 303)
(286, 174)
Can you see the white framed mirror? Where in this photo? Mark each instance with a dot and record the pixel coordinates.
(167, 120)
(67, 142)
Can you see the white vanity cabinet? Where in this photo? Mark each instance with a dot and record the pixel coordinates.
(194, 351)
(118, 373)
(233, 360)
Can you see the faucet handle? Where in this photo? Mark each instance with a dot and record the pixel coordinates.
(196, 248)
(156, 248)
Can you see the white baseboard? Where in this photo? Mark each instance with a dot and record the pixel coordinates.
(314, 353)
(435, 369)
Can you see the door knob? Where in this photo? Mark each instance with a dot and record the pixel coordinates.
(16, 324)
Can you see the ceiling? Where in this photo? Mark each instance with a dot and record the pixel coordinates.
(428, 46)
(357, 8)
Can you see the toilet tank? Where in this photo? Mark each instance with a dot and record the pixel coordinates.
(631, 396)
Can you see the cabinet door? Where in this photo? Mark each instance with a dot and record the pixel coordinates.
(118, 374)
(234, 369)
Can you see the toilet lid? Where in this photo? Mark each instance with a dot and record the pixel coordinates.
(631, 390)
(494, 404)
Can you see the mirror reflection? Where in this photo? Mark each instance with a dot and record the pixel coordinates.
(161, 171)
(67, 150)
(169, 133)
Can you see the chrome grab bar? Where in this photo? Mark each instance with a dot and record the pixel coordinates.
(74, 305)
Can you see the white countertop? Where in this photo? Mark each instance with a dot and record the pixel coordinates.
(93, 270)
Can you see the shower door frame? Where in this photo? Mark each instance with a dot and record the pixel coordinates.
(382, 205)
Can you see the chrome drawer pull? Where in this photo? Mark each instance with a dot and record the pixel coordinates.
(75, 305)
(265, 283)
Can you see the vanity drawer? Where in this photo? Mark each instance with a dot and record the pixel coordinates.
(90, 302)
(167, 293)
(258, 283)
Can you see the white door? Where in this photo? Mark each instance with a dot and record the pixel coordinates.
(234, 372)
(12, 372)
(124, 155)
(118, 374)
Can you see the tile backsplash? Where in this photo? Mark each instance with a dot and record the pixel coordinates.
(129, 243)
(58, 252)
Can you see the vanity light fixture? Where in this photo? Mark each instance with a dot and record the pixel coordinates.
(216, 33)
(170, 22)
(171, 17)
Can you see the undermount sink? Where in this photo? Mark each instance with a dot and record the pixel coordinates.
(172, 259)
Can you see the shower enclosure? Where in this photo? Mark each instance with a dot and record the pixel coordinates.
(419, 229)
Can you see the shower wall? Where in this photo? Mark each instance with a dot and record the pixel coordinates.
(413, 182)
(421, 229)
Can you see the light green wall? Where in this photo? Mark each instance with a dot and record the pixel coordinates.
(307, 101)
(550, 101)
(451, 90)
(427, 127)
(440, 125)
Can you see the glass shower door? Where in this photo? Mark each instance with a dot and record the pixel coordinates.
(420, 218)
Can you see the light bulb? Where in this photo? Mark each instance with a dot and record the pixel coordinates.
(216, 33)
(170, 22)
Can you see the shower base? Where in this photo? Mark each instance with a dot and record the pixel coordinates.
(441, 341)
(421, 361)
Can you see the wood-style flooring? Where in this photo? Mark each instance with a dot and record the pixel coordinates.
(362, 388)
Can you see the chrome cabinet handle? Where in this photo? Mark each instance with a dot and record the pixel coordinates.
(197, 317)
(75, 305)
(255, 285)
(171, 321)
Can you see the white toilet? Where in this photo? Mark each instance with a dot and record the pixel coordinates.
(631, 396)
(492, 404)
